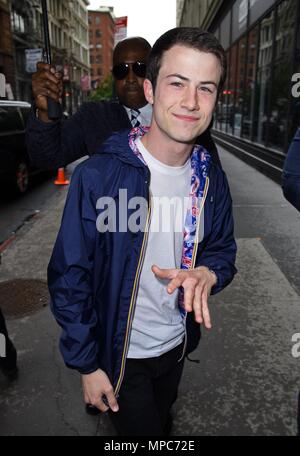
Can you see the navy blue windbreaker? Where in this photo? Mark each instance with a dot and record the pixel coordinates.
(291, 173)
(93, 276)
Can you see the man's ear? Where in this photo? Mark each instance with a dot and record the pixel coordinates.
(148, 91)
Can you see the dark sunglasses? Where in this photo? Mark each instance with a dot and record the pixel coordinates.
(121, 70)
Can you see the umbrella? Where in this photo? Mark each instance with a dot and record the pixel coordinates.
(54, 108)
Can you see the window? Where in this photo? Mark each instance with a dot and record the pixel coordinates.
(91, 59)
(222, 108)
(10, 119)
(240, 85)
(263, 81)
(249, 94)
(97, 20)
(98, 33)
(225, 31)
(231, 87)
(99, 72)
(17, 22)
(281, 75)
(99, 58)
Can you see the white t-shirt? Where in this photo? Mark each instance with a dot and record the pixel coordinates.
(157, 325)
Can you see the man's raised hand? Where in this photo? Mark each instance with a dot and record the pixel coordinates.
(197, 284)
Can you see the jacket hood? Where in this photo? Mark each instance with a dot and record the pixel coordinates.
(118, 145)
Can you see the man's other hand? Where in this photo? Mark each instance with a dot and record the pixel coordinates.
(95, 386)
(46, 82)
(197, 284)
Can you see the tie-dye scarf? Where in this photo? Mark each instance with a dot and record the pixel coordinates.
(200, 164)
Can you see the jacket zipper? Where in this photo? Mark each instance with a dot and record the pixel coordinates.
(195, 254)
(134, 295)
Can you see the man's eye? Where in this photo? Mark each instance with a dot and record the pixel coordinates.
(176, 84)
(206, 89)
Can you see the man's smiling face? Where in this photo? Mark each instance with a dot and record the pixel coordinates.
(185, 94)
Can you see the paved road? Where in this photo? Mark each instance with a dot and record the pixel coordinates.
(15, 211)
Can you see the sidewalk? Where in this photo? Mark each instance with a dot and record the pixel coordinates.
(247, 381)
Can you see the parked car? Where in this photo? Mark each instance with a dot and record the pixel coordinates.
(15, 169)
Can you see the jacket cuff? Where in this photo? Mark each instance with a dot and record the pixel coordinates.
(86, 371)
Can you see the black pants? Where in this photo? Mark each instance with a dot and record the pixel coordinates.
(9, 362)
(147, 393)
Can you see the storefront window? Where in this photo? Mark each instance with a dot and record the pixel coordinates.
(223, 110)
(262, 94)
(282, 71)
(232, 68)
(225, 31)
(249, 94)
(240, 86)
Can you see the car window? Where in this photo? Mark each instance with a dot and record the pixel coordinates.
(10, 119)
(25, 113)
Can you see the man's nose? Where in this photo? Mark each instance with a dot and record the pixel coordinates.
(190, 99)
(131, 77)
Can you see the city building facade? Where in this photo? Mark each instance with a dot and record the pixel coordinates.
(101, 39)
(257, 114)
(68, 26)
(68, 30)
(6, 45)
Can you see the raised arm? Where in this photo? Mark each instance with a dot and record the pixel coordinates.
(52, 145)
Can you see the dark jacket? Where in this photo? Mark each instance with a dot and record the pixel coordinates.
(93, 277)
(291, 173)
(54, 145)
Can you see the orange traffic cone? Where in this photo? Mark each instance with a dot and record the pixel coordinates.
(61, 180)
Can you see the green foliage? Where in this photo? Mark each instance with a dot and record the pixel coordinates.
(104, 91)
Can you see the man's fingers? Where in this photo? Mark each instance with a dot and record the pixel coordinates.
(47, 93)
(48, 83)
(197, 304)
(100, 404)
(189, 298)
(175, 283)
(43, 66)
(164, 273)
(205, 311)
(41, 76)
(111, 400)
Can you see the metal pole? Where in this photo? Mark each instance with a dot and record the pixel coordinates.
(54, 108)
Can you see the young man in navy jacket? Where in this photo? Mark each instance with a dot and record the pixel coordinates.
(146, 237)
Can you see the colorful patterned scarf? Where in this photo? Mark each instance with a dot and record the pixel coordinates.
(200, 164)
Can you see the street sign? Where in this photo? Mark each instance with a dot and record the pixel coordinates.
(120, 28)
(33, 56)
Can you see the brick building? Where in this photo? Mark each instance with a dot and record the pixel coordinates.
(101, 37)
(6, 47)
